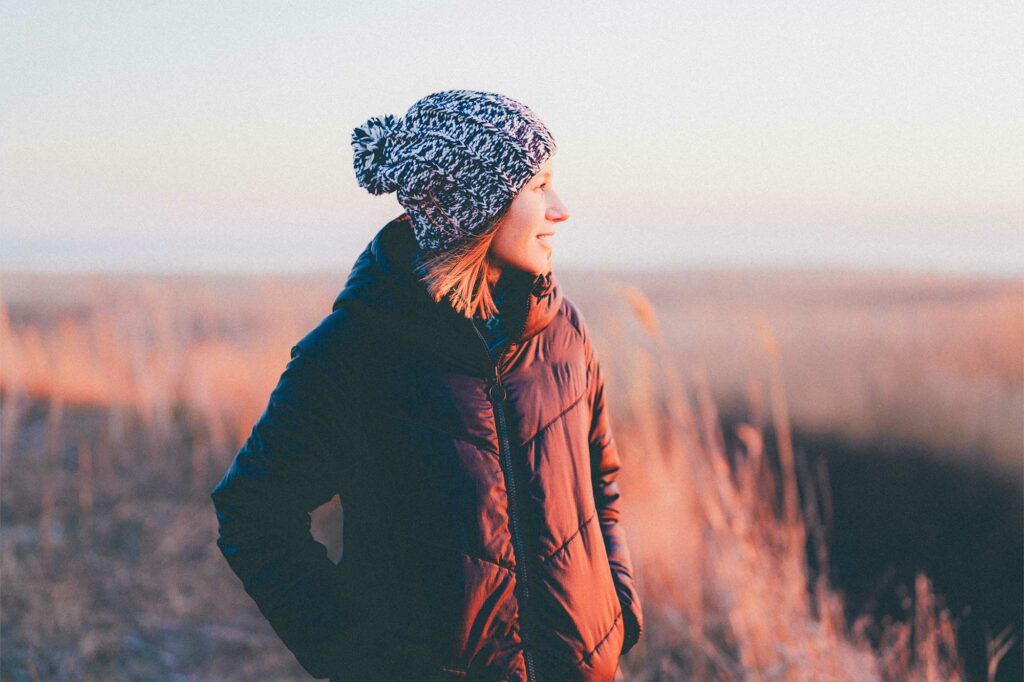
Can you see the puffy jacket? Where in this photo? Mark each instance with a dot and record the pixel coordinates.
(481, 535)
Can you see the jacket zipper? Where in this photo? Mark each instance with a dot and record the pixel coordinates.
(498, 400)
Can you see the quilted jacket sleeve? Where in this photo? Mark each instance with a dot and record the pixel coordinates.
(605, 465)
(288, 467)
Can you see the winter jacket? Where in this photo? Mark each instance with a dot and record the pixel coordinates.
(481, 535)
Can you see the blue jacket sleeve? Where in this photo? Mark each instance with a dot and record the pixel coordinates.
(289, 466)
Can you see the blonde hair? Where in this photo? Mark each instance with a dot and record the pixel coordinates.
(463, 271)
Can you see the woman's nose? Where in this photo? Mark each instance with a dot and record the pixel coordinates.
(556, 211)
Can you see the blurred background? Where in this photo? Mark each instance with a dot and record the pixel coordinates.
(795, 229)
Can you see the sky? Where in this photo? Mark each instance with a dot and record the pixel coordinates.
(215, 136)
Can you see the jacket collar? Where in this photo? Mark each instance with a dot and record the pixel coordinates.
(386, 277)
(528, 302)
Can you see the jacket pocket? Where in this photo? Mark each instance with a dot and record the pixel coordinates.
(604, 659)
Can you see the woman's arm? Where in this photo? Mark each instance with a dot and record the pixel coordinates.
(605, 464)
(288, 467)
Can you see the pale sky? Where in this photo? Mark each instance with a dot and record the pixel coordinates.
(215, 136)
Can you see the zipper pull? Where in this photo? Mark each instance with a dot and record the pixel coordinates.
(497, 390)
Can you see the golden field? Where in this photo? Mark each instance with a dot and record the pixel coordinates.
(125, 397)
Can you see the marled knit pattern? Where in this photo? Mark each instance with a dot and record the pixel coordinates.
(457, 159)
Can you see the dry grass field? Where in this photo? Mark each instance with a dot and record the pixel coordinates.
(125, 397)
(916, 359)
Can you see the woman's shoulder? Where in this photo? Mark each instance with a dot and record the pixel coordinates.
(340, 337)
(575, 317)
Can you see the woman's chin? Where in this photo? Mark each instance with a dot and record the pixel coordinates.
(542, 266)
(534, 263)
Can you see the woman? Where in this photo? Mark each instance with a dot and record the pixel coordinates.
(454, 401)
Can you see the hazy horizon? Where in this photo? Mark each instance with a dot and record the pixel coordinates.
(105, 258)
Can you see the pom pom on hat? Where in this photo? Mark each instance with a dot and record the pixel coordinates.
(368, 142)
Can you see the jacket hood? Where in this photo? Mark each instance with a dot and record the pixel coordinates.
(385, 277)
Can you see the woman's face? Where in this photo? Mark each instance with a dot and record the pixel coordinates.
(522, 237)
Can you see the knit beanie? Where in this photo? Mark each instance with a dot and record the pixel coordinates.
(457, 160)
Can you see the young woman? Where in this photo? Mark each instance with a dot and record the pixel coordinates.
(454, 401)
